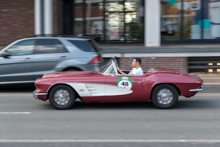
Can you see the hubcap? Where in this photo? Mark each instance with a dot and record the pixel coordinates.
(164, 96)
(62, 97)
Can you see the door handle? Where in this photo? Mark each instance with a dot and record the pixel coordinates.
(63, 57)
(27, 59)
(137, 79)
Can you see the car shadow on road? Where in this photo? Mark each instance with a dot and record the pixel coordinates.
(25, 88)
(122, 105)
(80, 105)
(182, 104)
(197, 104)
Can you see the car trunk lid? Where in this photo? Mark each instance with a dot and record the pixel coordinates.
(172, 71)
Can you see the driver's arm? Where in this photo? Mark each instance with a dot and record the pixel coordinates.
(121, 71)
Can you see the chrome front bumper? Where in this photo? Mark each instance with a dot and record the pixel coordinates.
(197, 90)
(35, 94)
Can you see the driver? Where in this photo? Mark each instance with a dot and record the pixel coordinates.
(136, 68)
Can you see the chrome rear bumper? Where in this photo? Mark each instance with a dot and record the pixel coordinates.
(35, 94)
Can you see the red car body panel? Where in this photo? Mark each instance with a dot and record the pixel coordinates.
(141, 89)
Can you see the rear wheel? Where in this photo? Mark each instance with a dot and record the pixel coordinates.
(165, 96)
(62, 97)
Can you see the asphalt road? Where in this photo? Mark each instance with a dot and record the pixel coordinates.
(27, 122)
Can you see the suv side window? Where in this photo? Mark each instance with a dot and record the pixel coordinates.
(25, 47)
(83, 45)
(44, 46)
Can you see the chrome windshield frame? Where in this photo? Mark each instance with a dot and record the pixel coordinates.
(111, 62)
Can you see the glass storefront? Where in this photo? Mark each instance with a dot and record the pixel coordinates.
(134, 21)
(122, 21)
(94, 18)
(110, 20)
(186, 20)
(211, 19)
(114, 20)
(170, 20)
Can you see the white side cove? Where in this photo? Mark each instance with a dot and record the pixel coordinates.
(90, 89)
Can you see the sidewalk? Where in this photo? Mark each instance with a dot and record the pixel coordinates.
(181, 48)
(210, 79)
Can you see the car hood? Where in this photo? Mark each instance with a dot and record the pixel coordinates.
(70, 74)
(172, 71)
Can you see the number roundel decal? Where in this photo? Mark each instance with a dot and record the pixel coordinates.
(124, 83)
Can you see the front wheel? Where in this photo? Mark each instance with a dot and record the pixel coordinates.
(165, 96)
(62, 97)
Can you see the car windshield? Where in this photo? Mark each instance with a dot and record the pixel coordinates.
(108, 68)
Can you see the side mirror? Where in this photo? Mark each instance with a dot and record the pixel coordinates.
(5, 54)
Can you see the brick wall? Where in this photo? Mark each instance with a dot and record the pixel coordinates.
(158, 62)
(57, 16)
(16, 20)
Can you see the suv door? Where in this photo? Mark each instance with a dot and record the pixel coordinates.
(48, 53)
(18, 66)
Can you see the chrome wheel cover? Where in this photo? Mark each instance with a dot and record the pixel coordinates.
(165, 96)
(62, 97)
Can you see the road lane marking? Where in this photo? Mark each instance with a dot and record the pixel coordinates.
(5, 113)
(110, 140)
(17, 94)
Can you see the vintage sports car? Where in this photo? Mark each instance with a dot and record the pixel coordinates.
(161, 86)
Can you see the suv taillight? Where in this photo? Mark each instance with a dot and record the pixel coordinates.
(95, 60)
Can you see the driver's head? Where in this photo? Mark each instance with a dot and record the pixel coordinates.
(136, 62)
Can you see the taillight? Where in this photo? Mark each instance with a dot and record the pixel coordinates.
(95, 60)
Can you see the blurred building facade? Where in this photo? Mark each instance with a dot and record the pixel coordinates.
(147, 22)
(114, 21)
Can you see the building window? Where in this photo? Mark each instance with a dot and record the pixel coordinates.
(211, 19)
(110, 20)
(170, 20)
(190, 19)
(114, 20)
(134, 21)
(94, 19)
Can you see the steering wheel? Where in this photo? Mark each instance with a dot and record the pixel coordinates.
(113, 73)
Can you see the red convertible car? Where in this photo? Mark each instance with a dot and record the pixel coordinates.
(161, 86)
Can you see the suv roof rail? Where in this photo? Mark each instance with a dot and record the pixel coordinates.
(60, 35)
(51, 35)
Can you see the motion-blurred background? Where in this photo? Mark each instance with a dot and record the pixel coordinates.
(176, 34)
